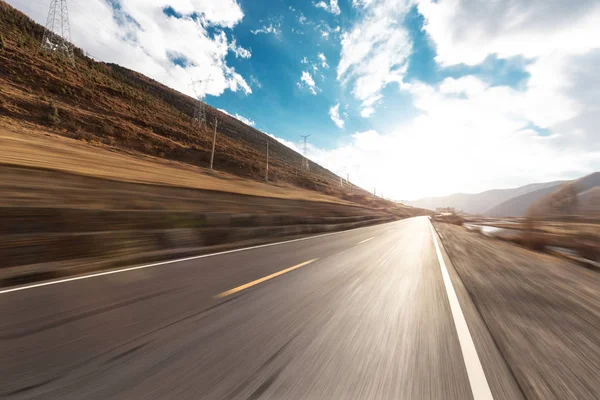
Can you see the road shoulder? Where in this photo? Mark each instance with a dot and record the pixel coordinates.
(501, 381)
(543, 312)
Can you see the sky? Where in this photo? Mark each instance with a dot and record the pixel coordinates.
(415, 98)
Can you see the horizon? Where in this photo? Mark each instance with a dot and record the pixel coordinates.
(395, 93)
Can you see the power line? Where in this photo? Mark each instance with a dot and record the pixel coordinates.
(305, 164)
(199, 119)
(57, 36)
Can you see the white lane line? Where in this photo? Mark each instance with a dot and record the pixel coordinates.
(479, 384)
(366, 240)
(117, 271)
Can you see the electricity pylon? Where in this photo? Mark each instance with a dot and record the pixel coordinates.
(305, 164)
(199, 88)
(57, 36)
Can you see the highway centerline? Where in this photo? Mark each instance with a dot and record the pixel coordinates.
(161, 263)
(366, 240)
(479, 384)
(261, 280)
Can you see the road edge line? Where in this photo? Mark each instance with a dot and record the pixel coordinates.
(127, 269)
(480, 387)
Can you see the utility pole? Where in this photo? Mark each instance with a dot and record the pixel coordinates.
(267, 170)
(305, 160)
(57, 36)
(212, 153)
(348, 181)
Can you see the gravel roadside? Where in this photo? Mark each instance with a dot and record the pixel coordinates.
(543, 312)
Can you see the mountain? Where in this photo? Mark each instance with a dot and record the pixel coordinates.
(109, 106)
(588, 182)
(545, 201)
(589, 201)
(479, 203)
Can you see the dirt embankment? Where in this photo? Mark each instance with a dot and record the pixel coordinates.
(68, 207)
(543, 312)
(57, 223)
(118, 109)
(99, 163)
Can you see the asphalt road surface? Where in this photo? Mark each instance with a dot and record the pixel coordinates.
(372, 313)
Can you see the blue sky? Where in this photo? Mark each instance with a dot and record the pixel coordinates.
(278, 105)
(413, 97)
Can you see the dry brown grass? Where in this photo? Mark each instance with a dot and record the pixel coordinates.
(450, 219)
(34, 148)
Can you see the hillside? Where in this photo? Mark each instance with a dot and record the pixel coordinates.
(589, 201)
(518, 206)
(111, 107)
(540, 199)
(575, 198)
(481, 202)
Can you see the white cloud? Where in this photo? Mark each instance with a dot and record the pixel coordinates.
(320, 63)
(140, 36)
(332, 7)
(469, 137)
(255, 82)
(302, 18)
(334, 114)
(467, 31)
(375, 51)
(287, 143)
(306, 80)
(326, 31)
(367, 111)
(268, 29)
(561, 40)
(239, 51)
(239, 117)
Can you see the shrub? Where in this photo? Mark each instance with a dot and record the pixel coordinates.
(450, 219)
(2, 45)
(587, 246)
(52, 116)
(532, 240)
(108, 130)
(83, 135)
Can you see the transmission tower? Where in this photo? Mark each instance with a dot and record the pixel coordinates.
(57, 36)
(305, 164)
(199, 88)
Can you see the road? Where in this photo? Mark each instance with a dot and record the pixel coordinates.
(361, 314)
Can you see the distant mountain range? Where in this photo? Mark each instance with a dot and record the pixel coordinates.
(516, 201)
(480, 203)
(577, 197)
